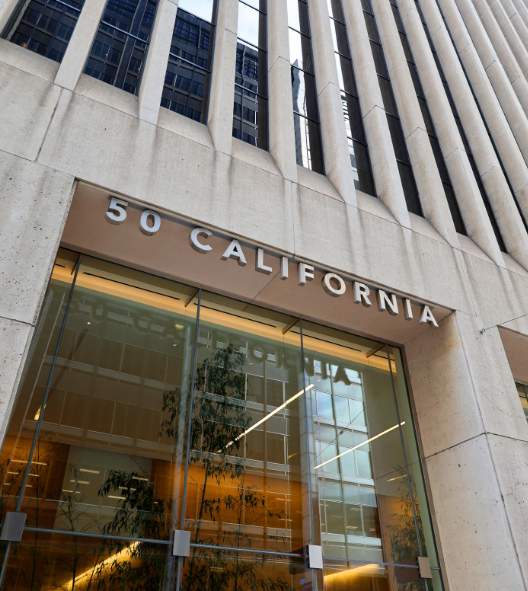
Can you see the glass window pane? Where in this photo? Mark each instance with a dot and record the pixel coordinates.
(308, 143)
(324, 405)
(367, 451)
(361, 162)
(415, 473)
(300, 51)
(58, 561)
(246, 369)
(340, 38)
(117, 58)
(186, 86)
(250, 115)
(409, 188)
(222, 569)
(248, 24)
(26, 412)
(46, 27)
(351, 576)
(200, 8)
(108, 458)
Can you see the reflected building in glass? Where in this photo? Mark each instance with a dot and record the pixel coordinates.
(263, 323)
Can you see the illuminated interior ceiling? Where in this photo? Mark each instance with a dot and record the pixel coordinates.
(101, 277)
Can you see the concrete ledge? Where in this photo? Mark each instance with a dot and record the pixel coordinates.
(28, 61)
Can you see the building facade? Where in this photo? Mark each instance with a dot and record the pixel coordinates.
(264, 271)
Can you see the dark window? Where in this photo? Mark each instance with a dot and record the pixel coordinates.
(186, 88)
(437, 152)
(45, 27)
(393, 119)
(121, 43)
(305, 113)
(251, 76)
(482, 190)
(357, 142)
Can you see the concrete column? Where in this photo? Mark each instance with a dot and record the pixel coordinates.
(222, 92)
(514, 31)
(155, 67)
(80, 44)
(430, 188)
(504, 51)
(33, 208)
(467, 193)
(502, 84)
(6, 9)
(333, 130)
(281, 126)
(384, 166)
(495, 117)
(474, 445)
(522, 10)
(516, 20)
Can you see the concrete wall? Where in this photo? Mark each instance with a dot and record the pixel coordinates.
(59, 127)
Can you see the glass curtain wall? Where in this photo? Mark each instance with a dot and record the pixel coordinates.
(398, 139)
(433, 139)
(44, 26)
(357, 141)
(121, 43)
(148, 406)
(522, 389)
(250, 110)
(467, 148)
(186, 88)
(305, 113)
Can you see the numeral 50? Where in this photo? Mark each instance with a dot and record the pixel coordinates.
(149, 222)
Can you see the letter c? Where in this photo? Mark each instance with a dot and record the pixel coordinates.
(196, 244)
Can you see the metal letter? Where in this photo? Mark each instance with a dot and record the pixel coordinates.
(305, 273)
(143, 225)
(198, 246)
(284, 268)
(330, 289)
(182, 543)
(315, 557)
(361, 294)
(13, 527)
(234, 251)
(385, 300)
(407, 308)
(260, 266)
(427, 316)
(116, 213)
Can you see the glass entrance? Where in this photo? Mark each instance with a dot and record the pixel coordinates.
(148, 406)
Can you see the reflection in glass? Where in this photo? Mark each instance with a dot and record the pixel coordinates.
(109, 454)
(435, 145)
(45, 26)
(201, 8)
(250, 109)
(355, 576)
(463, 137)
(367, 511)
(306, 116)
(120, 46)
(69, 562)
(359, 158)
(186, 88)
(296, 437)
(238, 571)
(247, 477)
(404, 164)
